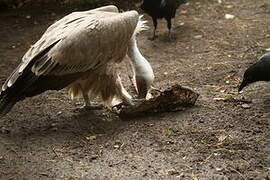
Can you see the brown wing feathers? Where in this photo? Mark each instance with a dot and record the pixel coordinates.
(67, 56)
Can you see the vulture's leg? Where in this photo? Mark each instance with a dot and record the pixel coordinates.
(155, 27)
(86, 98)
(126, 97)
(90, 105)
(128, 100)
(143, 72)
(169, 25)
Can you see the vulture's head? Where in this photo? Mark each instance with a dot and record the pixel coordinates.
(257, 72)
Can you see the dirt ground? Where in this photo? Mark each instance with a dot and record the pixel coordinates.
(225, 135)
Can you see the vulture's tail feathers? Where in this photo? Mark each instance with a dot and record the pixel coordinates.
(19, 84)
(16, 92)
(6, 105)
(141, 26)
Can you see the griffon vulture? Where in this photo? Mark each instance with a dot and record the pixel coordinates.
(79, 52)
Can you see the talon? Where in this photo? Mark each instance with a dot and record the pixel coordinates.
(153, 89)
(118, 106)
(134, 102)
(138, 101)
(88, 105)
(94, 106)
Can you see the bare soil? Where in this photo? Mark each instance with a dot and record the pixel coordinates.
(225, 135)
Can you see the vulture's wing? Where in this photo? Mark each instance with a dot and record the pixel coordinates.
(78, 43)
(109, 8)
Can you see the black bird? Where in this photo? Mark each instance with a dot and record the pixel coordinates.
(260, 71)
(159, 9)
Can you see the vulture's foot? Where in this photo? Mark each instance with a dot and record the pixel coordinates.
(117, 107)
(138, 101)
(88, 105)
(154, 89)
(153, 92)
(134, 102)
(93, 106)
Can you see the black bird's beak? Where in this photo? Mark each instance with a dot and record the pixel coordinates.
(242, 85)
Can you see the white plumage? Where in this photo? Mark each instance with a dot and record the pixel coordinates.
(80, 52)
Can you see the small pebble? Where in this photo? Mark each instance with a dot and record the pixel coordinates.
(182, 24)
(222, 91)
(91, 138)
(229, 16)
(201, 121)
(198, 36)
(218, 169)
(245, 106)
(172, 172)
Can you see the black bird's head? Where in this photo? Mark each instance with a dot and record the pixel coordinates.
(179, 2)
(260, 71)
(249, 77)
(182, 2)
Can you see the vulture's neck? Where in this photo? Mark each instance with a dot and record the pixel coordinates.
(143, 72)
(140, 64)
